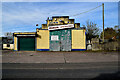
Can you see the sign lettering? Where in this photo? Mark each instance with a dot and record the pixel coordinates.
(60, 26)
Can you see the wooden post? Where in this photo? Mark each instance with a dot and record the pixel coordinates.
(103, 20)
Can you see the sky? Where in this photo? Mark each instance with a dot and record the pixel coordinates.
(23, 16)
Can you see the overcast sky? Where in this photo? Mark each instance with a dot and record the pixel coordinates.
(22, 16)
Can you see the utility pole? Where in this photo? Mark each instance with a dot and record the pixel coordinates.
(103, 20)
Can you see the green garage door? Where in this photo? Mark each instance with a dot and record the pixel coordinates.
(26, 44)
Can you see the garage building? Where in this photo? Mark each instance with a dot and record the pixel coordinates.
(59, 34)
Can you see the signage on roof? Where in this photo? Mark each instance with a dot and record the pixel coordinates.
(60, 27)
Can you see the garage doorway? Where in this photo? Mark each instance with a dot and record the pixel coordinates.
(26, 43)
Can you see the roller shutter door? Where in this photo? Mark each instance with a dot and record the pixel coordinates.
(26, 44)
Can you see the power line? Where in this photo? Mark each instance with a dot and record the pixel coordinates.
(87, 11)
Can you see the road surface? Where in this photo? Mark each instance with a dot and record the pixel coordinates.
(90, 70)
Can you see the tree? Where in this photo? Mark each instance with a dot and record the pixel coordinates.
(109, 33)
(9, 36)
(118, 34)
(117, 29)
(91, 30)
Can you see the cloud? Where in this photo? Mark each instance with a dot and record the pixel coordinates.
(22, 16)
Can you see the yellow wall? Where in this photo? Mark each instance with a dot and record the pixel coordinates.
(48, 23)
(78, 39)
(66, 20)
(44, 26)
(57, 20)
(43, 39)
(77, 25)
(15, 43)
(71, 22)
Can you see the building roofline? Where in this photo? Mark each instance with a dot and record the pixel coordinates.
(60, 16)
(24, 33)
(44, 24)
(77, 23)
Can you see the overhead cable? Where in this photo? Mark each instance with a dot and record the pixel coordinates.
(87, 11)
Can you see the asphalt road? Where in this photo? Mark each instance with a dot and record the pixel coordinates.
(90, 70)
